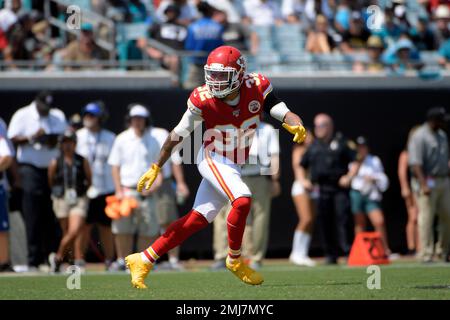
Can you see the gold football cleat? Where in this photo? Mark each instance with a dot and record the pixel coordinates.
(244, 272)
(138, 269)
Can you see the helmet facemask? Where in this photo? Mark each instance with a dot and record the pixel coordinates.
(221, 81)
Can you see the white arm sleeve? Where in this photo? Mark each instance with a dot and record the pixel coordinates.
(187, 124)
(279, 111)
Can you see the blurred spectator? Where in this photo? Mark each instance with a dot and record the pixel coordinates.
(422, 36)
(117, 10)
(367, 187)
(34, 129)
(355, 38)
(391, 30)
(170, 33)
(262, 12)
(237, 35)
(342, 16)
(374, 61)
(320, 39)
(75, 122)
(94, 143)
(21, 40)
(327, 160)
(8, 17)
(84, 50)
(137, 12)
(403, 56)
(133, 151)
(444, 54)
(441, 22)
(304, 197)
(69, 176)
(6, 159)
(404, 177)
(188, 10)
(305, 11)
(204, 35)
(229, 8)
(428, 152)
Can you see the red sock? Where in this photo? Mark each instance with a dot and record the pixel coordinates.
(176, 233)
(236, 220)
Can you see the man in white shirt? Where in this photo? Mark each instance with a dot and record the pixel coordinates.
(35, 129)
(166, 197)
(6, 158)
(134, 150)
(263, 12)
(94, 143)
(262, 176)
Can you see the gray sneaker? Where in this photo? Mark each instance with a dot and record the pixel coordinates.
(55, 264)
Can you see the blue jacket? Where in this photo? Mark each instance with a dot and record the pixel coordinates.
(203, 35)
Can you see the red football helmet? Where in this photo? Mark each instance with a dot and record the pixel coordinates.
(224, 71)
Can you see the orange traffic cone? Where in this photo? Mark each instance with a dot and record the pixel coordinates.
(367, 249)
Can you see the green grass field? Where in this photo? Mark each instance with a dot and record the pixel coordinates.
(283, 281)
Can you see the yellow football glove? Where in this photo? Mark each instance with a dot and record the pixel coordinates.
(148, 178)
(298, 131)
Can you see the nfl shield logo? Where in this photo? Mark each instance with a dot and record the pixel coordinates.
(236, 112)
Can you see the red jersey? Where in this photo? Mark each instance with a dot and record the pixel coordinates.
(230, 129)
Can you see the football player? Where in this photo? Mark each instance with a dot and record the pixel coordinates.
(230, 104)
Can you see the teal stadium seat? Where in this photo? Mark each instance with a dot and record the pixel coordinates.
(127, 34)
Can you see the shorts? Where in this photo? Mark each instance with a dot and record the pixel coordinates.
(63, 210)
(166, 208)
(222, 183)
(4, 219)
(96, 211)
(362, 204)
(143, 219)
(297, 189)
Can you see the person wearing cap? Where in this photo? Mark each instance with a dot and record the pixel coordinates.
(374, 62)
(94, 143)
(188, 11)
(429, 161)
(34, 130)
(170, 33)
(355, 38)
(367, 186)
(81, 53)
(133, 151)
(69, 177)
(403, 56)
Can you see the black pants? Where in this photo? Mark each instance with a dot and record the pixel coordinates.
(41, 224)
(334, 219)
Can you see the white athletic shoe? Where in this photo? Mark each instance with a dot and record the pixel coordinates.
(304, 261)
